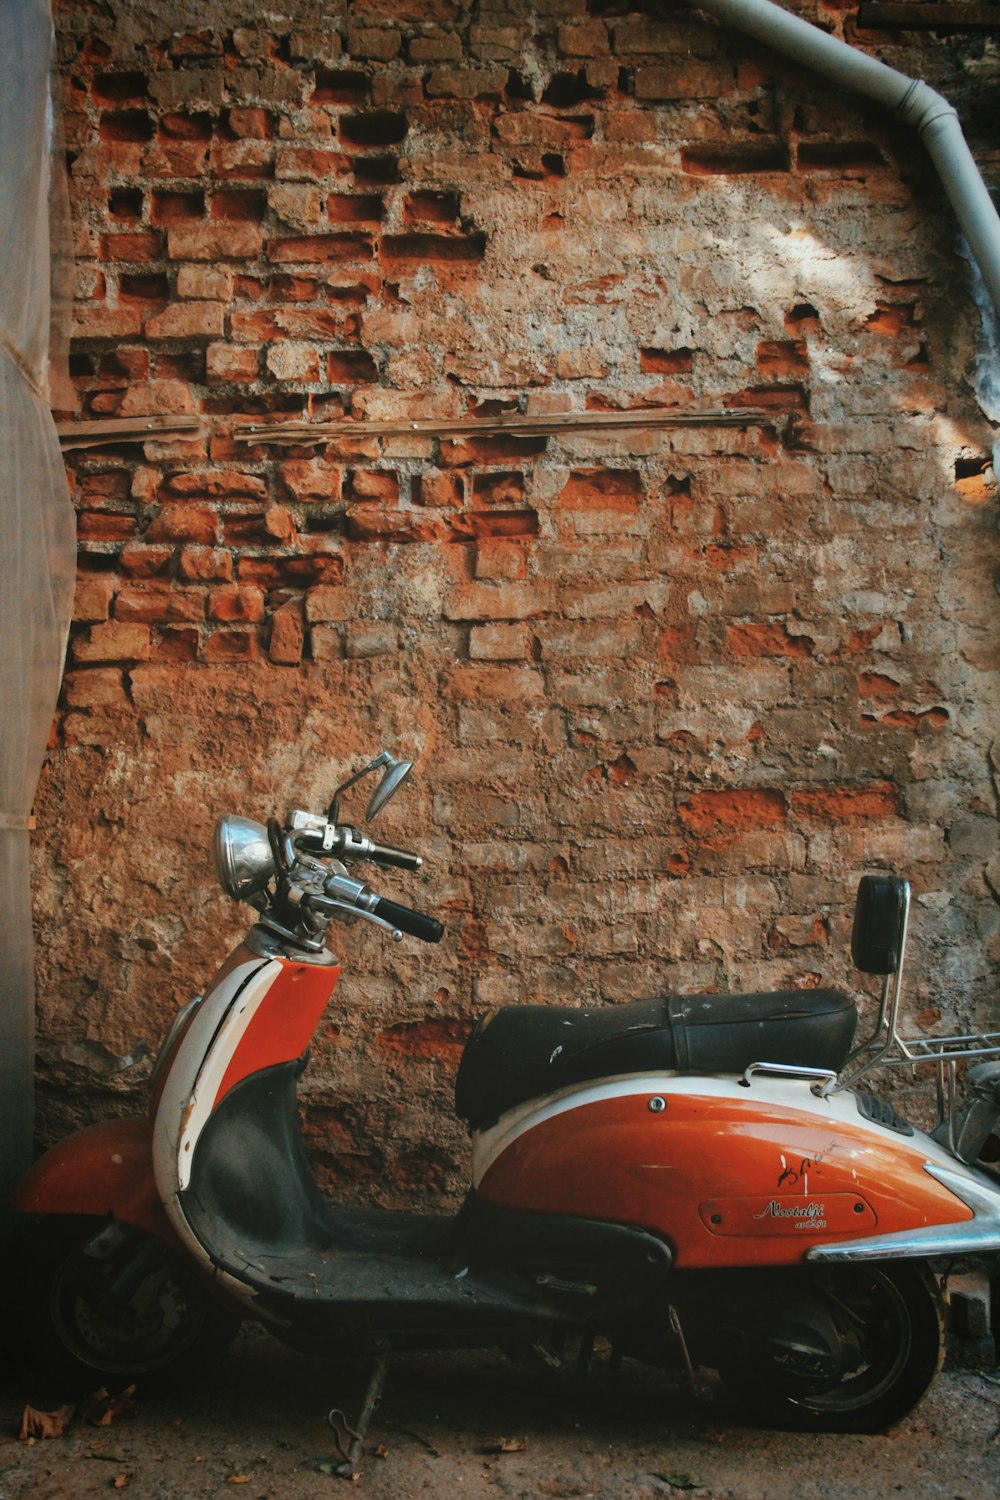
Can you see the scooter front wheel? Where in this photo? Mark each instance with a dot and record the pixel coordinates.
(108, 1304)
(884, 1326)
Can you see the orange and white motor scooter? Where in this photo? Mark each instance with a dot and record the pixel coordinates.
(695, 1180)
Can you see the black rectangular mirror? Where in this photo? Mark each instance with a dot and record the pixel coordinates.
(880, 923)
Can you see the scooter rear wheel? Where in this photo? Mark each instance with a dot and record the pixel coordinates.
(108, 1304)
(889, 1324)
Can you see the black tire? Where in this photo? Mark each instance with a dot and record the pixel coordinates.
(107, 1304)
(889, 1320)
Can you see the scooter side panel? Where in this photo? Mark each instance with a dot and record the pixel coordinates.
(103, 1171)
(728, 1179)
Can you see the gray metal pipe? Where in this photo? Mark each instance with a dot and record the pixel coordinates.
(909, 98)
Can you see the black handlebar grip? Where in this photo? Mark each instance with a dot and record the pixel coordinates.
(416, 923)
(402, 859)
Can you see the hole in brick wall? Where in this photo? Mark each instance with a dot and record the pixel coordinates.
(782, 357)
(117, 88)
(136, 287)
(890, 318)
(376, 171)
(503, 523)
(518, 87)
(341, 86)
(801, 317)
(826, 156)
(971, 468)
(270, 404)
(124, 364)
(241, 207)
(187, 365)
(356, 245)
(167, 207)
(434, 247)
(376, 127)
(126, 125)
(678, 484)
(81, 366)
(921, 360)
(566, 90)
(773, 397)
(499, 449)
(354, 208)
(125, 203)
(539, 168)
(429, 207)
(351, 367)
(491, 409)
(666, 361)
(734, 161)
(293, 288)
(178, 127)
(498, 488)
(354, 294)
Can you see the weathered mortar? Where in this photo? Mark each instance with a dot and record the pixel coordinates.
(669, 693)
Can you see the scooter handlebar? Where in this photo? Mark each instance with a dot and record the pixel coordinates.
(401, 859)
(416, 923)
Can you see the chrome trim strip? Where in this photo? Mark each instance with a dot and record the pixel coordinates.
(971, 1236)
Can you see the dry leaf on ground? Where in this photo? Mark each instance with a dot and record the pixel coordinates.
(45, 1424)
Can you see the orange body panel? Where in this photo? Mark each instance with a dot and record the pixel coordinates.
(105, 1171)
(725, 1182)
(282, 1027)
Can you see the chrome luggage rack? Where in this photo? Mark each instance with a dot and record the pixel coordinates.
(886, 1048)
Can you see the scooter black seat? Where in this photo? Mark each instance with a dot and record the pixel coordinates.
(524, 1052)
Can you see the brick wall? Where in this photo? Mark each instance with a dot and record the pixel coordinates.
(669, 692)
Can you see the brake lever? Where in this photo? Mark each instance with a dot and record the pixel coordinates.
(330, 907)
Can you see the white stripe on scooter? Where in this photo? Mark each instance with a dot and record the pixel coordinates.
(199, 1068)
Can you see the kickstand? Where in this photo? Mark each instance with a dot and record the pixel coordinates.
(350, 1440)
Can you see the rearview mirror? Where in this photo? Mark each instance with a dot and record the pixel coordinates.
(394, 773)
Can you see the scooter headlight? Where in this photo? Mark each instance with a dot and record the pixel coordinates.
(243, 859)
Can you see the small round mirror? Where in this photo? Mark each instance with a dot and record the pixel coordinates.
(243, 859)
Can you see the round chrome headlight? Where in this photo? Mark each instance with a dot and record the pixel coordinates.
(243, 859)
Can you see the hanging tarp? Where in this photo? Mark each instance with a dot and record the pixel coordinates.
(37, 559)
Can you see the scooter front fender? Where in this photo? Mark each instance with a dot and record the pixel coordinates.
(104, 1171)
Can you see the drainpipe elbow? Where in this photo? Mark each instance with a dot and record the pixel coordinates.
(922, 107)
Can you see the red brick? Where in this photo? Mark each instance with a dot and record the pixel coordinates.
(152, 604)
(877, 801)
(708, 813)
(287, 636)
(225, 362)
(206, 564)
(188, 320)
(232, 604)
(94, 592)
(767, 638)
(230, 646)
(138, 561)
(112, 641)
(214, 242)
(441, 488)
(312, 479)
(184, 523)
(97, 687)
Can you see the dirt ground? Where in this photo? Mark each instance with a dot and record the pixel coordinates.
(478, 1427)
